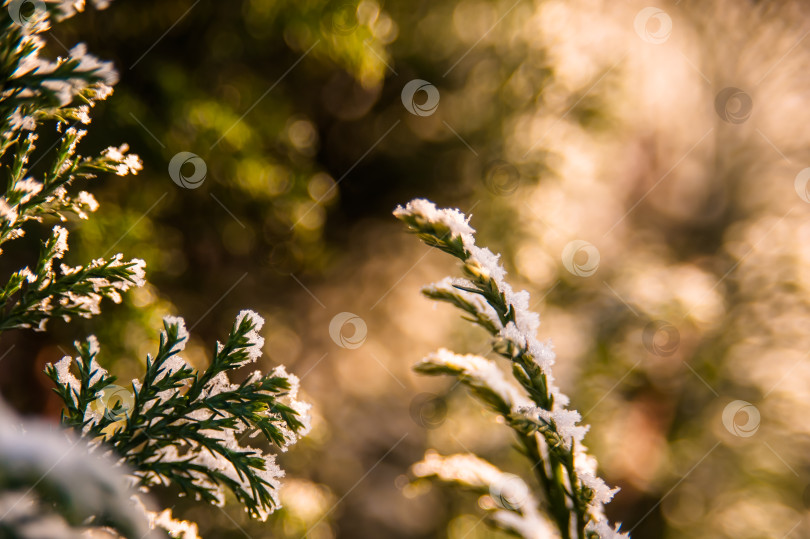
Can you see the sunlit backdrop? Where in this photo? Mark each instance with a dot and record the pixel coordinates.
(642, 170)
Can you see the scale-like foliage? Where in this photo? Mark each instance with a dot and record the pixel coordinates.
(37, 90)
(535, 408)
(179, 426)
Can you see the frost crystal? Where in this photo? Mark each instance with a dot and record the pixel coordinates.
(60, 245)
(255, 341)
(126, 163)
(138, 276)
(89, 63)
(28, 187)
(92, 345)
(482, 373)
(519, 511)
(69, 8)
(182, 332)
(605, 531)
(485, 261)
(565, 422)
(64, 375)
(300, 407)
(454, 220)
(7, 213)
(602, 494)
(169, 367)
(180, 529)
(87, 202)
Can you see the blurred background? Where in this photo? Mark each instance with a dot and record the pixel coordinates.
(668, 143)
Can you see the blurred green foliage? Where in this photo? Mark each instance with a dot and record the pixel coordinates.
(295, 108)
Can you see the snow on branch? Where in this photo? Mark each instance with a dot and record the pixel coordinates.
(61, 92)
(509, 499)
(550, 434)
(185, 427)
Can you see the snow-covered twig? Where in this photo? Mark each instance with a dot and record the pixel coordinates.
(62, 91)
(549, 432)
(176, 425)
(513, 506)
(185, 427)
(54, 486)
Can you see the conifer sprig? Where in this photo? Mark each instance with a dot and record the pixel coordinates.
(36, 90)
(183, 427)
(178, 425)
(535, 409)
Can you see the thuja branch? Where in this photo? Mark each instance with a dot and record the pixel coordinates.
(535, 409)
(184, 427)
(60, 92)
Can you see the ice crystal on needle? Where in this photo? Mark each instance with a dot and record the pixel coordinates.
(480, 374)
(549, 433)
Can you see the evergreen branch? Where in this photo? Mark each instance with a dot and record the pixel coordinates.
(184, 427)
(28, 199)
(31, 298)
(54, 485)
(549, 433)
(36, 89)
